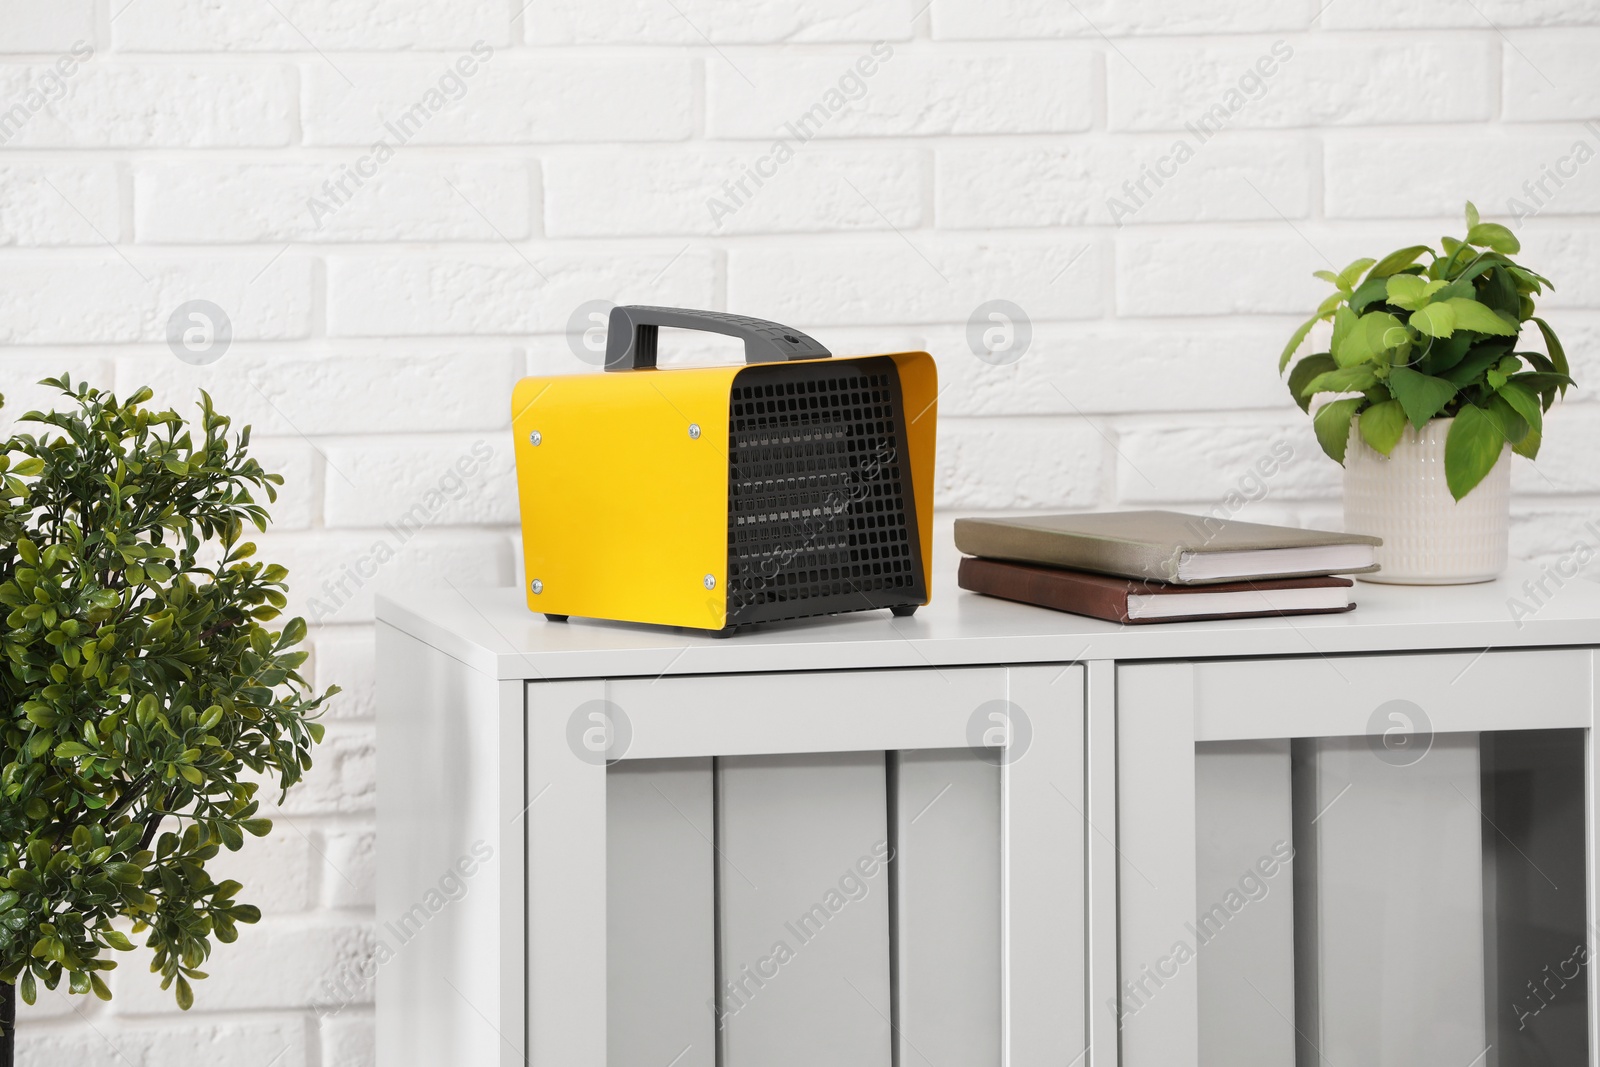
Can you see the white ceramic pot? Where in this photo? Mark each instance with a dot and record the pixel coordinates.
(1428, 537)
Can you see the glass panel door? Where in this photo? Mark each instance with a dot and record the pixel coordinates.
(1396, 898)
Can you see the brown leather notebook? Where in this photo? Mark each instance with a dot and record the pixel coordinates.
(1131, 601)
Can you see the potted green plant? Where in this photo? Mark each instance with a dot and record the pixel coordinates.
(144, 694)
(1432, 392)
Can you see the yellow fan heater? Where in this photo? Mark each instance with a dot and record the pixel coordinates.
(714, 498)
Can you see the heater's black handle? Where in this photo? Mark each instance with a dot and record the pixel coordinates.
(631, 335)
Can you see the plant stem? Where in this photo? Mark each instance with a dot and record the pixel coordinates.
(8, 1024)
(151, 825)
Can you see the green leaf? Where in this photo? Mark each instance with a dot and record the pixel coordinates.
(70, 749)
(1512, 425)
(1409, 291)
(1539, 381)
(1471, 315)
(1443, 353)
(1373, 289)
(1471, 450)
(1303, 373)
(1344, 322)
(1329, 277)
(1373, 335)
(1461, 287)
(1295, 342)
(1395, 262)
(1538, 360)
(125, 873)
(1472, 214)
(1495, 236)
(1479, 358)
(185, 994)
(1384, 332)
(1443, 268)
(1499, 293)
(1421, 395)
(1552, 343)
(1332, 426)
(293, 633)
(1434, 320)
(1529, 445)
(1529, 282)
(1347, 277)
(1355, 379)
(1404, 291)
(1382, 424)
(232, 837)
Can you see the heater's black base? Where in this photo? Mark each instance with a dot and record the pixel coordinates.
(899, 610)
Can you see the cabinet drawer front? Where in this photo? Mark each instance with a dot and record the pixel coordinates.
(827, 711)
(1328, 696)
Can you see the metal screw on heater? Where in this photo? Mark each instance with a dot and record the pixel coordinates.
(537, 586)
(534, 438)
(694, 431)
(711, 581)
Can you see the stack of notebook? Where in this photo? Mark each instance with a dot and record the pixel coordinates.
(1161, 566)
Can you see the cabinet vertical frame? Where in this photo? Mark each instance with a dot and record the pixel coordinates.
(1044, 889)
(565, 824)
(1592, 844)
(1101, 965)
(1159, 1011)
(452, 788)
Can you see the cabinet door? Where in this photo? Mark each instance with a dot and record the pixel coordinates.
(866, 868)
(1344, 860)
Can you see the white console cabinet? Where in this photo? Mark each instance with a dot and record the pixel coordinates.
(990, 835)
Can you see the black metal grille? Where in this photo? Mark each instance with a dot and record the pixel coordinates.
(820, 512)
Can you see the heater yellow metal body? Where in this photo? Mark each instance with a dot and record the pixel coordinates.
(637, 487)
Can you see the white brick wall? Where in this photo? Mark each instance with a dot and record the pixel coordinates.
(1325, 79)
(401, 203)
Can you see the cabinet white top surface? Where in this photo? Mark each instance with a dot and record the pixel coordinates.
(493, 631)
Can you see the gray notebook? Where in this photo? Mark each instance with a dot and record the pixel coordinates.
(1167, 546)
